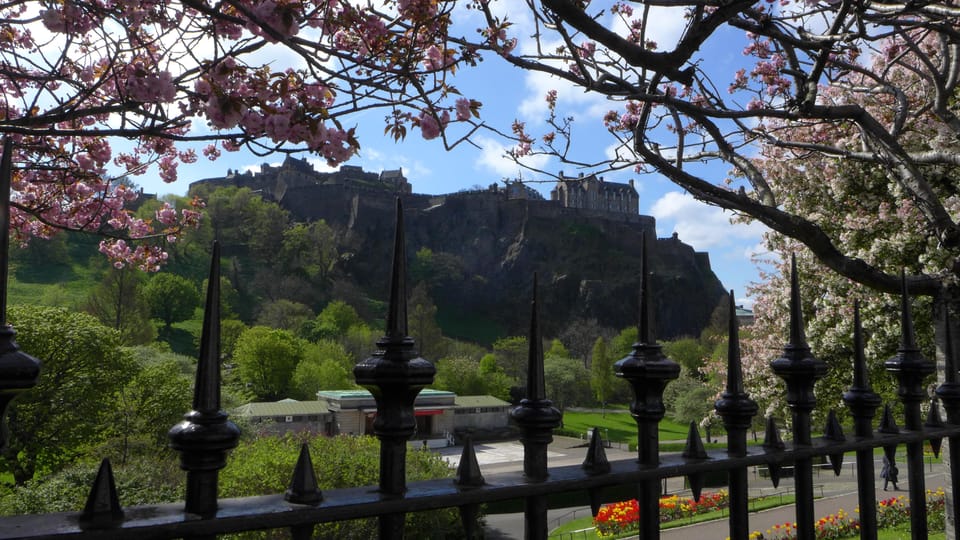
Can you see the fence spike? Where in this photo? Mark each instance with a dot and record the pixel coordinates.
(302, 532)
(772, 442)
(861, 377)
(103, 505)
(909, 365)
(397, 309)
(833, 431)
(697, 482)
(596, 461)
(304, 488)
(536, 386)
(536, 415)
(888, 424)
(6, 174)
(734, 406)
(798, 336)
(394, 375)
(644, 330)
(468, 518)
(907, 336)
(205, 435)
(860, 397)
(468, 470)
(594, 494)
(934, 421)
(694, 448)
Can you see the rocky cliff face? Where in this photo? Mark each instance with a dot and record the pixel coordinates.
(484, 251)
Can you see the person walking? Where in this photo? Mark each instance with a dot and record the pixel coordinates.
(889, 473)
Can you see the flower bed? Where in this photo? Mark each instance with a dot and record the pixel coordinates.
(890, 512)
(624, 517)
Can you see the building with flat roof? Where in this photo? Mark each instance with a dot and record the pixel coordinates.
(439, 415)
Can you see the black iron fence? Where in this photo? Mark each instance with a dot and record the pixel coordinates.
(395, 374)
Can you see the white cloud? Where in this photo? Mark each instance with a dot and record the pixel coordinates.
(493, 157)
(700, 225)
(670, 23)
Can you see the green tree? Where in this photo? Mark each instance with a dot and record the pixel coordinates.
(564, 381)
(285, 314)
(557, 350)
(153, 401)
(117, 302)
(688, 399)
(689, 353)
(266, 359)
(310, 250)
(422, 323)
(359, 341)
(326, 366)
(171, 298)
(601, 373)
(512, 353)
(84, 368)
(332, 322)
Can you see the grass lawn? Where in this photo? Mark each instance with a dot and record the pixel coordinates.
(619, 427)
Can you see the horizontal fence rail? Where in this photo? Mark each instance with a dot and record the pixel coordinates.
(395, 374)
(273, 511)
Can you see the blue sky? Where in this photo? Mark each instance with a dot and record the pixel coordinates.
(507, 94)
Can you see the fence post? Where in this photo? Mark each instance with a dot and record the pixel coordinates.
(949, 394)
(737, 410)
(800, 370)
(537, 419)
(911, 368)
(863, 402)
(648, 371)
(395, 374)
(18, 370)
(205, 435)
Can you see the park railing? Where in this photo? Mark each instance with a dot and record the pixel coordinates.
(395, 374)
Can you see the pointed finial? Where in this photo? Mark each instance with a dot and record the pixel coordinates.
(6, 171)
(734, 372)
(934, 420)
(397, 312)
(596, 461)
(771, 436)
(888, 424)
(861, 380)
(468, 470)
(694, 448)
(797, 336)
(644, 331)
(103, 505)
(908, 340)
(304, 488)
(206, 391)
(833, 431)
(536, 386)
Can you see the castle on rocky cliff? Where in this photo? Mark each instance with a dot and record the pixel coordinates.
(297, 178)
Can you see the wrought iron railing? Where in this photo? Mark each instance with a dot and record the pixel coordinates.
(395, 374)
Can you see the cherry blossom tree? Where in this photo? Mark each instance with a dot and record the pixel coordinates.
(839, 131)
(96, 92)
(825, 86)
